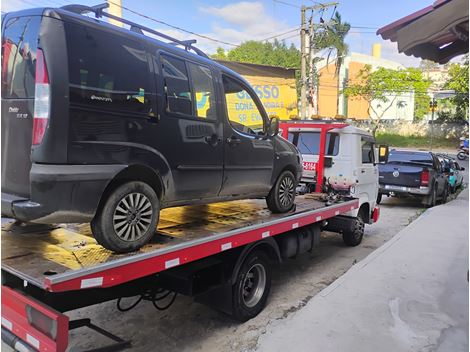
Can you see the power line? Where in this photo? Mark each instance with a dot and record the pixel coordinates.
(287, 4)
(172, 26)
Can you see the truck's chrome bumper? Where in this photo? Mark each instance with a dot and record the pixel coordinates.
(421, 191)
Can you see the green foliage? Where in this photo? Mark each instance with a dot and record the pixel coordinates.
(458, 81)
(395, 140)
(254, 52)
(384, 85)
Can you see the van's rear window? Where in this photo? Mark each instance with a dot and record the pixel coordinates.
(19, 45)
(107, 71)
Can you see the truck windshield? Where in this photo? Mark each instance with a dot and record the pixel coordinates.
(309, 142)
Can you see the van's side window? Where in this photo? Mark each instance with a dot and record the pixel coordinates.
(242, 110)
(177, 92)
(107, 72)
(203, 87)
(367, 152)
(309, 142)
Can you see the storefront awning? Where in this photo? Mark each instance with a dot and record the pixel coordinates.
(438, 32)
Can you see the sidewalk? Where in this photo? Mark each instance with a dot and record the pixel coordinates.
(409, 295)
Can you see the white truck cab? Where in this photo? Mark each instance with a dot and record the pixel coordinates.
(349, 166)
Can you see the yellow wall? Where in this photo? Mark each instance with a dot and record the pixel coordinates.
(328, 91)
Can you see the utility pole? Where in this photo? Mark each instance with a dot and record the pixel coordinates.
(303, 65)
(307, 52)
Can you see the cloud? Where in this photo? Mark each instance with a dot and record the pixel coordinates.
(390, 52)
(241, 21)
(14, 5)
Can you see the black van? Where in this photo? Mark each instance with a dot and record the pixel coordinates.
(107, 125)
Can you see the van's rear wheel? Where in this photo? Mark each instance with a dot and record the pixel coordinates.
(128, 217)
(282, 195)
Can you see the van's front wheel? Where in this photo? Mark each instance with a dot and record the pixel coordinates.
(128, 217)
(282, 195)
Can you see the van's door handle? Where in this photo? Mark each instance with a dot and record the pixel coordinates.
(213, 140)
(232, 141)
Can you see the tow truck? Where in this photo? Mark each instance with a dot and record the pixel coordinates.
(221, 254)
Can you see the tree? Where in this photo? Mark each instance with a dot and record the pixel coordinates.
(334, 38)
(382, 87)
(276, 53)
(458, 81)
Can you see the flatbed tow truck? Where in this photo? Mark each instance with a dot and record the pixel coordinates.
(221, 254)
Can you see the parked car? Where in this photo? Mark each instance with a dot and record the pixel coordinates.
(453, 171)
(414, 174)
(106, 125)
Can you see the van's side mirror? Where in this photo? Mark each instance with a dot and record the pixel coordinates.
(383, 154)
(273, 128)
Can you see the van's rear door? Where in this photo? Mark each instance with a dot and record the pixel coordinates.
(18, 66)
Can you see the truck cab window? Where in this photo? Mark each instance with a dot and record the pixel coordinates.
(177, 92)
(367, 148)
(242, 111)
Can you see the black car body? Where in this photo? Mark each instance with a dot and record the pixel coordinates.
(414, 173)
(88, 106)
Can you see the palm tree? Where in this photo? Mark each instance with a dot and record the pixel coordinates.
(334, 39)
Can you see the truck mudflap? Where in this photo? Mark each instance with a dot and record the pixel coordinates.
(28, 325)
(375, 214)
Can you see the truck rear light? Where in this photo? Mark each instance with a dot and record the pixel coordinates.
(425, 177)
(42, 322)
(41, 99)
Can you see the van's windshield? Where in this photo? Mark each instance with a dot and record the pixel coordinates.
(19, 45)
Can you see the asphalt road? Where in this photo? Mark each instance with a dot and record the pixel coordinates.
(189, 326)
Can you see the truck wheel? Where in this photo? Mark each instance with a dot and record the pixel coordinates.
(282, 195)
(251, 290)
(461, 155)
(354, 238)
(128, 218)
(445, 195)
(432, 201)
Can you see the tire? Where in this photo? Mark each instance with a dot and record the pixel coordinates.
(445, 194)
(354, 238)
(281, 197)
(432, 201)
(121, 226)
(251, 289)
(461, 155)
(379, 198)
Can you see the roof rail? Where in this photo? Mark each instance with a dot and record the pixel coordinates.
(134, 27)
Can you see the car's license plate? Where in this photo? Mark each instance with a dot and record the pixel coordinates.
(396, 187)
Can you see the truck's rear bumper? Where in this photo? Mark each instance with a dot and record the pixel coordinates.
(418, 191)
(61, 193)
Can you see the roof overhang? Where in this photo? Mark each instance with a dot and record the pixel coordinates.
(438, 32)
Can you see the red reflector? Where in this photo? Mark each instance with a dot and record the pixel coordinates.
(39, 129)
(425, 177)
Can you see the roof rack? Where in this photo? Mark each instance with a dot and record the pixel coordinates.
(134, 27)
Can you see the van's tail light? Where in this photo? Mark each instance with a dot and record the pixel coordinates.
(41, 99)
(425, 177)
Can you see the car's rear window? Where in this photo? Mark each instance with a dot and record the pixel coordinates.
(19, 46)
(107, 71)
(410, 157)
(308, 143)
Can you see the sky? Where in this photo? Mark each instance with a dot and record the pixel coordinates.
(230, 22)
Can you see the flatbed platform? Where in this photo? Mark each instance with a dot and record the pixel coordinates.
(68, 258)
